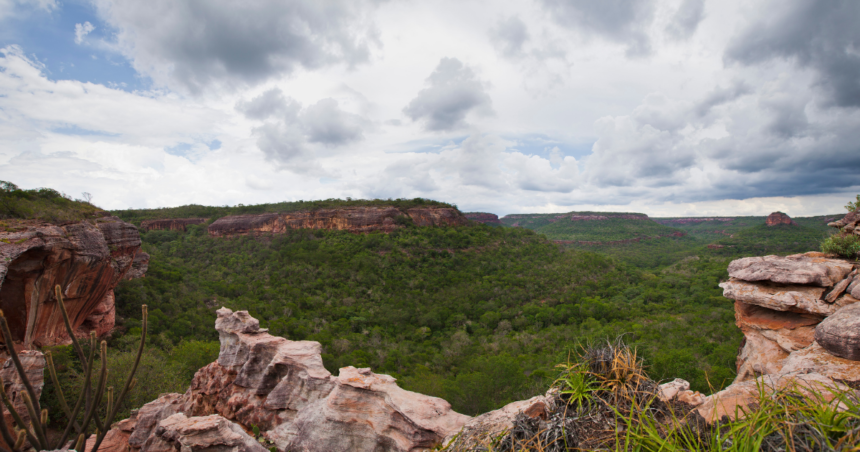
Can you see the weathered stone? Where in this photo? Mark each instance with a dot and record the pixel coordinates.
(816, 359)
(206, 433)
(794, 298)
(87, 260)
(778, 218)
(839, 288)
(116, 439)
(737, 399)
(692, 398)
(33, 362)
(797, 269)
(839, 334)
(139, 266)
(480, 430)
(789, 330)
(352, 219)
(668, 391)
(854, 288)
(759, 356)
(151, 414)
(171, 224)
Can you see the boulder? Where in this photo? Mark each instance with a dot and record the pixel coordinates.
(195, 434)
(150, 415)
(839, 334)
(796, 269)
(87, 259)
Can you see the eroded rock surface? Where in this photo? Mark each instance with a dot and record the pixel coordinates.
(170, 224)
(777, 218)
(205, 433)
(33, 362)
(352, 219)
(796, 269)
(139, 266)
(87, 259)
(481, 430)
(839, 334)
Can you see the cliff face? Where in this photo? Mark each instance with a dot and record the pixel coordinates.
(170, 224)
(352, 219)
(778, 218)
(482, 217)
(87, 260)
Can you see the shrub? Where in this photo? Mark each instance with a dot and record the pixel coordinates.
(843, 245)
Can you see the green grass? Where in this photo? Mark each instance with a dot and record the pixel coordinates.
(43, 204)
(135, 216)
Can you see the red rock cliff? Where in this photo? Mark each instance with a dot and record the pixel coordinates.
(352, 219)
(481, 217)
(778, 218)
(86, 259)
(170, 224)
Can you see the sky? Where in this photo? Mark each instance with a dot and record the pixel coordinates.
(666, 107)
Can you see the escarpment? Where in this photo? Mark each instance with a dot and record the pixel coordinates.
(483, 217)
(352, 219)
(86, 259)
(170, 224)
(281, 387)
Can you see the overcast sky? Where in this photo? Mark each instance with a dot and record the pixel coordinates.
(667, 107)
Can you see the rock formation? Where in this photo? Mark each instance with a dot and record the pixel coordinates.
(352, 219)
(800, 325)
(779, 218)
(139, 266)
(672, 221)
(33, 362)
(170, 224)
(850, 224)
(87, 259)
(282, 387)
(485, 218)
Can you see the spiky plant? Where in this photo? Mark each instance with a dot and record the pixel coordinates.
(88, 401)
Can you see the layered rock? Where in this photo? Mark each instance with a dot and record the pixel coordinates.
(87, 259)
(352, 219)
(139, 266)
(485, 218)
(282, 387)
(800, 324)
(170, 224)
(850, 224)
(33, 362)
(778, 218)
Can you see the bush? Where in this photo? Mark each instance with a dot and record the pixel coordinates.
(843, 245)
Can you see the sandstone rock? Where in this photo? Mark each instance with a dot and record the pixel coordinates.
(479, 430)
(854, 288)
(139, 266)
(789, 330)
(816, 359)
(87, 260)
(736, 400)
(207, 433)
(839, 288)
(795, 298)
(798, 269)
(839, 334)
(151, 414)
(33, 362)
(485, 218)
(692, 398)
(778, 218)
(170, 224)
(668, 391)
(353, 219)
(759, 356)
(116, 439)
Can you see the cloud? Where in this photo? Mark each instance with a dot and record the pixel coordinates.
(12, 8)
(192, 46)
(622, 21)
(686, 19)
(452, 93)
(291, 135)
(820, 36)
(509, 36)
(82, 30)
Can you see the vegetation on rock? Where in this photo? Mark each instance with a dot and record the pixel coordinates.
(43, 204)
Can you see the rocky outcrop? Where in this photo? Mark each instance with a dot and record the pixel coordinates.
(282, 387)
(800, 324)
(352, 219)
(204, 433)
(481, 430)
(778, 218)
(170, 224)
(485, 218)
(87, 259)
(33, 362)
(850, 224)
(139, 266)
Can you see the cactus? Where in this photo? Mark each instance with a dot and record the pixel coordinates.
(88, 400)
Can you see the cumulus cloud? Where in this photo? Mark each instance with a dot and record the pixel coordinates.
(686, 19)
(82, 30)
(196, 45)
(453, 91)
(292, 134)
(622, 21)
(509, 37)
(821, 36)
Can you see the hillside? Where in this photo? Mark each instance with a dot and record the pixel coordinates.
(43, 204)
(716, 228)
(601, 227)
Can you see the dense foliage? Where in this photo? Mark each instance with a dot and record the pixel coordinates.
(214, 212)
(477, 315)
(43, 204)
